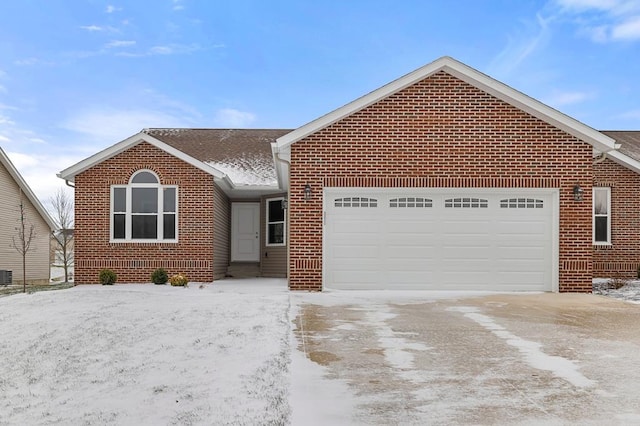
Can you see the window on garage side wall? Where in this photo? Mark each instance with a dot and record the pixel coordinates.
(602, 215)
(144, 210)
(275, 221)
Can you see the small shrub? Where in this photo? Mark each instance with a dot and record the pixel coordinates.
(159, 276)
(179, 280)
(107, 277)
(618, 280)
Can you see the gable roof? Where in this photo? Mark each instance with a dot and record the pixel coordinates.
(244, 155)
(240, 160)
(22, 184)
(599, 141)
(628, 155)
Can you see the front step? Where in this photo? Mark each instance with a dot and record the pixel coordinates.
(243, 270)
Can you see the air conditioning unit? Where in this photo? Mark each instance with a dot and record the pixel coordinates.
(5, 277)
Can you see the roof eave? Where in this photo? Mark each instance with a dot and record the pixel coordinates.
(24, 187)
(624, 160)
(70, 173)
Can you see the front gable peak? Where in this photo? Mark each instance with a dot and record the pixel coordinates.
(599, 141)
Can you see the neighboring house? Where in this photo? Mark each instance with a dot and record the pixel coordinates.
(442, 179)
(13, 191)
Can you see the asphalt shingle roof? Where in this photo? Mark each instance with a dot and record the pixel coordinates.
(242, 154)
(629, 141)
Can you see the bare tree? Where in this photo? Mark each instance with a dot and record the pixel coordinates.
(22, 241)
(62, 205)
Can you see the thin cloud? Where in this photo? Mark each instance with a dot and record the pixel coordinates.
(3, 89)
(97, 28)
(229, 117)
(108, 126)
(628, 30)
(27, 61)
(165, 50)
(521, 47)
(178, 5)
(111, 9)
(568, 98)
(4, 139)
(603, 21)
(119, 43)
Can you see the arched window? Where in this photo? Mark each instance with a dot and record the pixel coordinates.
(144, 210)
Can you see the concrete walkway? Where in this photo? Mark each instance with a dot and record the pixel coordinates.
(496, 359)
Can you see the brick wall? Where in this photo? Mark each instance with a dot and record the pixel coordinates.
(134, 262)
(440, 132)
(622, 257)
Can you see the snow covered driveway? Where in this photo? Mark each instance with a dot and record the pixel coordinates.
(146, 355)
(441, 359)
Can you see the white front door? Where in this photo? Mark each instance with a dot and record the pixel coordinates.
(245, 232)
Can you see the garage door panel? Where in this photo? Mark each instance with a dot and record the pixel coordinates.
(465, 227)
(355, 226)
(351, 279)
(482, 241)
(412, 226)
(478, 252)
(521, 253)
(410, 253)
(355, 252)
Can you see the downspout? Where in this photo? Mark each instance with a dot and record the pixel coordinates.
(69, 184)
(600, 158)
(288, 163)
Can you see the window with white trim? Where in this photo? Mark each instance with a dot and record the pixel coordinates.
(275, 222)
(466, 203)
(602, 215)
(410, 202)
(521, 203)
(144, 210)
(355, 202)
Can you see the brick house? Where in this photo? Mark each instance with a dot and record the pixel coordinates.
(442, 179)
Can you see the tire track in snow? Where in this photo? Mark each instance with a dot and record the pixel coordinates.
(533, 354)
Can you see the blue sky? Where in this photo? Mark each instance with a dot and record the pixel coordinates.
(78, 76)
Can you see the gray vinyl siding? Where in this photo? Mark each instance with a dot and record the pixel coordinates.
(221, 232)
(38, 259)
(274, 258)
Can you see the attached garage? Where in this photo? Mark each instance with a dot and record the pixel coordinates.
(441, 239)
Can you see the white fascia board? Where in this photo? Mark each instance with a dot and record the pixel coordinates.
(624, 160)
(22, 184)
(70, 173)
(281, 160)
(471, 76)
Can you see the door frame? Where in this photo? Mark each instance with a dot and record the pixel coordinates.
(235, 237)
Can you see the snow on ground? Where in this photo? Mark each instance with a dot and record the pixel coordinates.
(146, 355)
(629, 292)
(160, 355)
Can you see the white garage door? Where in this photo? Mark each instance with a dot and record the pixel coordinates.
(440, 239)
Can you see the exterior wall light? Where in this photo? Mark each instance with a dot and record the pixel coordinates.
(307, 192)
(578, 193)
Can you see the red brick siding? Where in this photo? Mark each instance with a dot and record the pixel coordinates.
(623, 255)
(440, 132)
(134, 262)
